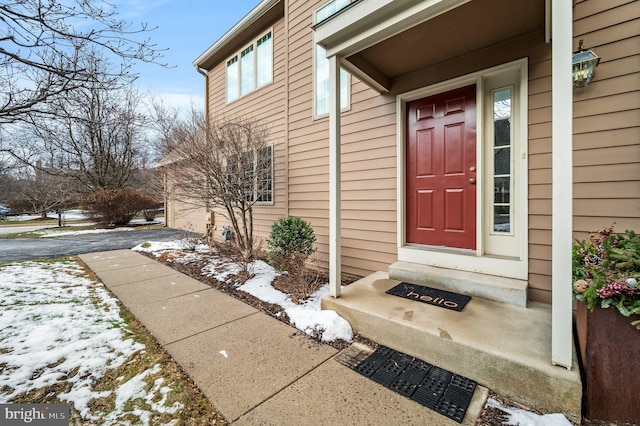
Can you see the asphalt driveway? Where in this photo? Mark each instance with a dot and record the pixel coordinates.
(19, 249)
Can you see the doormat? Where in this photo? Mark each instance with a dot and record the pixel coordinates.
(431, 296)
(433, 387)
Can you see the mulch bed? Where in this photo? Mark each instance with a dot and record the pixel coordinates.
(285, 284)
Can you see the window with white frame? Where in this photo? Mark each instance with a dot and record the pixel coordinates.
(264, 176)
(251, 68)
(256, 177)
(321, 67)
(502, 164)
(321, 92)
(330, 9)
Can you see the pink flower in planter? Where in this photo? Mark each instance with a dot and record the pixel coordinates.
(617, 288)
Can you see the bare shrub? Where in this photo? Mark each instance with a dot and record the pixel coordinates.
(115, 206)
(189, 237)
(222, 163)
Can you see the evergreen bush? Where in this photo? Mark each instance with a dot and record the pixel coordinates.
(291, 241)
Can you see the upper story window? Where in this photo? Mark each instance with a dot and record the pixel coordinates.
(250, 68)
(321, 69)
(321, 91)
(330, 8)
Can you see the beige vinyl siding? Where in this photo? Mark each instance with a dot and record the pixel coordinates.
(539, 122)
(368, 160)
(606, 137)
(607, 119)
(266, 104)
(308, 139)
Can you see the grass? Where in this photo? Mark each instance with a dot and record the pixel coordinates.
(196, 408)
(177, 399)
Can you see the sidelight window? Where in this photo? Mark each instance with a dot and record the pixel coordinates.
(502, 160)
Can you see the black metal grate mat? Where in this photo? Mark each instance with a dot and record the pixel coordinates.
(438, 389)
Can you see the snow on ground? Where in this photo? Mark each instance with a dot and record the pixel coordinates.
(74, 215)
(307, 317)
(520, 417)
(57, 325)
(67, 215)
(54, 232)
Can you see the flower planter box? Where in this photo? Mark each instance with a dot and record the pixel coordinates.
(610, 353)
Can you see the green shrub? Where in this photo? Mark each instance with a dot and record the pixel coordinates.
(291, 241)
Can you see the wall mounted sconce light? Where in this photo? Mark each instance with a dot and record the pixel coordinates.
(584, 63)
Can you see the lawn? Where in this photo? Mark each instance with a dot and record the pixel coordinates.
(65, 339)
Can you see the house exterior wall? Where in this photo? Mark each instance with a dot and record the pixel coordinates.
(368, 160)
(267, 105)
(606, 138)
(607, 119)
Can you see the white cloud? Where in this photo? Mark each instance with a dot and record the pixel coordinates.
(184, 102)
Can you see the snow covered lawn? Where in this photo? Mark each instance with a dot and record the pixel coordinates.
(64, 339)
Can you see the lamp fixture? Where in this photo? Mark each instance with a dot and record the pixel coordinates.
(583, 64)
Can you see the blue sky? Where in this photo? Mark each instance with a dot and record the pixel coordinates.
(186, 28)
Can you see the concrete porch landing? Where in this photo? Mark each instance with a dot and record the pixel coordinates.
(503, 347)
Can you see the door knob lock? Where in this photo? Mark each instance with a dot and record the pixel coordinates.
(472, 181)
(472, 169)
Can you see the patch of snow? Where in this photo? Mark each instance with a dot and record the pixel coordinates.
(57, 325)
(307, 316)
(520, 417)
(52, 232)
(67, 215)
(158, 247)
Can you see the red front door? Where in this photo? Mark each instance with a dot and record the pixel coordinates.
(441, 169)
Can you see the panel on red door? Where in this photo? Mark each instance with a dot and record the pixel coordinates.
(440, 169)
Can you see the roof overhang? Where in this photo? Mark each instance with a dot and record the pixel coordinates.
(368, 22)
(264, 14)
(371, 37)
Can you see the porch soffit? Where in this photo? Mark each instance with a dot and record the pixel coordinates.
(381, 40)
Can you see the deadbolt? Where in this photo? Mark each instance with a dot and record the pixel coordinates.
(472, 181)
(472, 169)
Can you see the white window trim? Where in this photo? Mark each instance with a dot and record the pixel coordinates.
(238, 54)
(255, 179)
(469, 260)
(315, 13)
(347, 106)
(273, 184)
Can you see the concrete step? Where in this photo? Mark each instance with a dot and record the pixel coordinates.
(503, 347)
(492, 287)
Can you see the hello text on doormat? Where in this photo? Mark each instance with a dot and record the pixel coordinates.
(431, 296)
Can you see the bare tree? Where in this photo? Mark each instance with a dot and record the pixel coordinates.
(223, 163)
(42, 46)
(39, 192)
(95, 137)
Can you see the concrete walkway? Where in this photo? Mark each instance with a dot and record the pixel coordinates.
(254, 369)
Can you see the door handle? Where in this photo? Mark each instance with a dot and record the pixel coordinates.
(472, 181)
